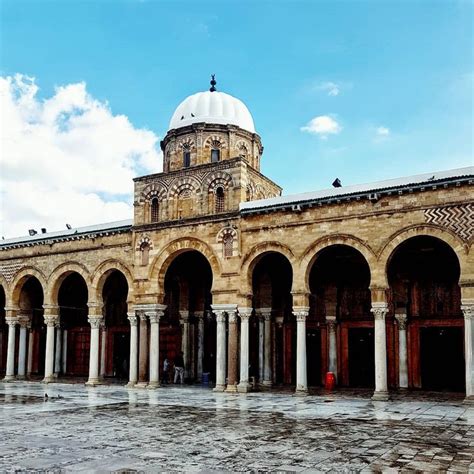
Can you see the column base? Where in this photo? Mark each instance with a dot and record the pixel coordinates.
(266, 385)
(131, 384)
(141, 385)
(56, 375)
(301, 391)
(48, 379)
(244, 387)
(381, 396)
(21, 377)
(9, 378)
(93, 382)
(153, 385)
(469, 400)
(219, 388)
(231, 388)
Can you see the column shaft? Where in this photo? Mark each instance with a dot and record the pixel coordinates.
(267, 347)
(244, 385)
(10, 369)
(301, 370)
(29, 364)
(51, 320)
(402, 351)
(58, 351)
(468, 311)
(103, 351)
(143, 351)
(200, 345)
(22, 352)
(154, 318)
(133, 368)
(332, 350)
(185, 342)
(64, 354)
(261, 339)
(381, 388)
(232, 353)
(220, 351)
(95, 320)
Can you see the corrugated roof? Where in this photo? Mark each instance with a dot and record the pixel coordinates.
(74, 232)
(389, 184)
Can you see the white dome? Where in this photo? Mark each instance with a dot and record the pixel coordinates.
(212, 107)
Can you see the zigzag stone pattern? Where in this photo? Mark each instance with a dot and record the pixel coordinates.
(459, 219)
(9, 270)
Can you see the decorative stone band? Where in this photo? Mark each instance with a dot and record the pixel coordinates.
(132, 317)
(51, 319)
(402, 321)
(245, 313)
(467, 307)
(95, 321)
(379, 310)
(300, 313)
(331, 323)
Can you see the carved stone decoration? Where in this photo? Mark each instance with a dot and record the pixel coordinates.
(459, 219)
(144, 241)
(379, 310)
(9, 270)
(132, 317)
(228, 238)
(468, 310)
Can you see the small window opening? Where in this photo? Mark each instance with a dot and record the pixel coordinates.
(219, 199)
(215, 155)
(155, 209)
(228, 244)
(186, 159)
(145, 250)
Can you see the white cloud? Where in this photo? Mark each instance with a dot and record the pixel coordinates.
(67, 158)
(323, 125)
(382, 131)
(331, 88)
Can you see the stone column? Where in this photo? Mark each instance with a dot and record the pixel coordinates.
(267, 347)
(29, 364)
(10, 319)
(95, 320)
(301, 314)
(51, 318)
(185, 341)
(58, 350)
(64, 354)
(200, 343)
(232, 352)
(379, 311)
(402, 351)
(103, 349)
(467, 308)
(154, 317)
(261, 340)
(244, 385)
(332, 362)
(143, 351)
(24, 322)
(133, 366)
(219, 311)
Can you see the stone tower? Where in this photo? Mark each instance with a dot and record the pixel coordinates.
(211, 163)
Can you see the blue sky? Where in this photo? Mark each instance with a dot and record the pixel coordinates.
(402, 71)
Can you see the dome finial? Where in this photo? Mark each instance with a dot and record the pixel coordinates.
(213, 83)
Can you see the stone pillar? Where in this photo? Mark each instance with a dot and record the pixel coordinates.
(103, 349)
(261, 339)
(58, 350)
(133, 366)
(232, 352)
(301, 314)
(200, 343)
(51, 318)
(467, 308)
(379, 311)
(143, 351)
(267, 347)
(154, 317)
(95, 320)
(22, 348)
(220, 312)
(64, 354)
(29, 364)
(244, 385)
(332, 346)
(185, 341)
(402, 351)
(10, 319)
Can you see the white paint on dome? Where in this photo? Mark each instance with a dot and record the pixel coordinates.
(212, 107)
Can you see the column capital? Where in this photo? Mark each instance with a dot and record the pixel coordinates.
(331, 322)
(220, 316)
(379, 310)
(142, 315)
(11, 321)
(245, 313)
(265, 313)
(199, 315)
(95, 321)
(51, 319)
(132, 317)
(467, 308)
(232, 316)
(184, 315)
(154, 316)
(402, 321)
(300, 312)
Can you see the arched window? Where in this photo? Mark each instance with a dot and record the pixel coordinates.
(228, 245)
(220, 199)
(186, 158)
(155, 210)
(145, 250)
(215, 155)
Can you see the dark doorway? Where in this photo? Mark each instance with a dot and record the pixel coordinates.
(313, 354)
(361, 357)
(121, 354)
(442, 358)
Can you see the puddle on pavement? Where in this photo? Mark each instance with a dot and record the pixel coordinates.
(21, 399)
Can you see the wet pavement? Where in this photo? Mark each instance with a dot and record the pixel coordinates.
(110, 428)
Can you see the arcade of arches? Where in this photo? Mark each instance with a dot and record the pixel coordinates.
(410, 334)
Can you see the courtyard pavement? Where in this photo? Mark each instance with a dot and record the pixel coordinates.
(110, 428)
